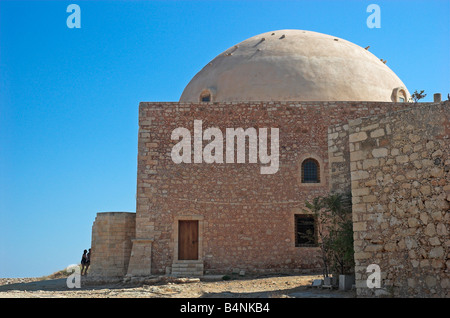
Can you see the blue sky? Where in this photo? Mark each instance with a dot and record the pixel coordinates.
(69, 97)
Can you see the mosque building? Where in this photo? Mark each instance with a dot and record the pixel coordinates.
(274, 121)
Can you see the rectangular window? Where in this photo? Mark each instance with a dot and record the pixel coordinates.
(305, 231)
(401, 99)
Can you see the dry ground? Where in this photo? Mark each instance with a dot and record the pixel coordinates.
(282, 286)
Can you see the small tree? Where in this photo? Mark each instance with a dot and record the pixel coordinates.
(340, 237)
(416, 96)
(335, 231)
(316, 207)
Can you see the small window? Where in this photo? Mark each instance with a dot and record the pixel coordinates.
(205, 96)
(305, 231)
(310, 171)
(401, 96)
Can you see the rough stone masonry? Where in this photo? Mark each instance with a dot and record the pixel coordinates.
(400, 167)
(392, 156)
(246, 220)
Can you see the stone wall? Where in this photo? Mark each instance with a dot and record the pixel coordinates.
(400, 186)
(247, 218)
(339, 159)
(111, 243)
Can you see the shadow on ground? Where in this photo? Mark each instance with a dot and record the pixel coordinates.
(299, 292)
(49, 285)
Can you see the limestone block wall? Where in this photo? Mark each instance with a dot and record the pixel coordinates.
(247, 218)
(140, 258)
(112, 233)
(400, 185)
(339, 158)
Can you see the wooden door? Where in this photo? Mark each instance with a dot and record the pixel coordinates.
(188, 240)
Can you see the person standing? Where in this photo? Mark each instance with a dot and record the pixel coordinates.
(88, 261)
(83, 262)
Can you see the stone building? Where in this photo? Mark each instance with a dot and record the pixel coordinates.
(314, 114)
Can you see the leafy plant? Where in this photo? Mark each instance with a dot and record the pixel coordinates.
(316, 208)
(335, 231)
(416, 96)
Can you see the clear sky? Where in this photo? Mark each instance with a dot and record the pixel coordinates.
(69, 97)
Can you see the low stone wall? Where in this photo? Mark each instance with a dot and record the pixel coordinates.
(400, 166)
(112, 233)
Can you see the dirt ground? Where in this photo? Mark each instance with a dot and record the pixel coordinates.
(281, 286)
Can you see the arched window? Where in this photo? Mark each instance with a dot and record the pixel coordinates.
(205, 96)
(399, 95)
(310, 171)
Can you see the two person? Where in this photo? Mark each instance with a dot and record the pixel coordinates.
(85, 261)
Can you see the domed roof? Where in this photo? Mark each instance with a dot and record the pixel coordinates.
(295, 65)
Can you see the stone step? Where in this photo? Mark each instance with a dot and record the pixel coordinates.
(178, 265)
(187, 269)
(190, 266)
(189, 274)
(187, 266)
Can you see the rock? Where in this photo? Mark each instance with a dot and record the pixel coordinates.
(437, 172)
(360, 174)
(430, 230)
(430, 281)
(426, 190)
(186, 280)
(437, 252)
(437, 153)
(152, 280)
(434, 241)
(402, 159)
(424, 217)
(379, 152)
(412, 222)
(377, 133)
(358, 136)
(441, 229)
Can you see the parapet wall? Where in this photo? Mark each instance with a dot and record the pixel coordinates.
(400, 167)
(112, 233)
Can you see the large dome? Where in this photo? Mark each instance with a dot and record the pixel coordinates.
(295, 65)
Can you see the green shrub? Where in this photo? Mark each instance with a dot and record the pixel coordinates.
(335, 231)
